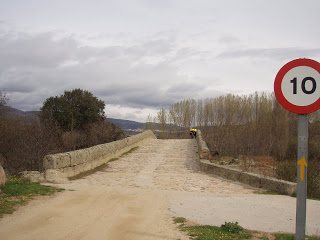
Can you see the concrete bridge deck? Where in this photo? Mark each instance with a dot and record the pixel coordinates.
(137, 195)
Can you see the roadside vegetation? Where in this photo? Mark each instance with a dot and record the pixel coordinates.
(17, 192)
(254, 128)
(229, 231)
(71, 121)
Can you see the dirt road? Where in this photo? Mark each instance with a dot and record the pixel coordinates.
(137, 196)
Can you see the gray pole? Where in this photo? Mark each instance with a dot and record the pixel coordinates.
(302, 176)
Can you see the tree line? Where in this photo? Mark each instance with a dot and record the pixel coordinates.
(253, 124)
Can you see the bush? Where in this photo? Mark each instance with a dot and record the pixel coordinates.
(232, 227)
(313, 179)
(73, 110)
(287, 170)
(23, 146)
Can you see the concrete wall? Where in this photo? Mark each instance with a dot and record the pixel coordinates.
(254, 180)
(62, 165)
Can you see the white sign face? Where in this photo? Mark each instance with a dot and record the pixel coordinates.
(301, 86)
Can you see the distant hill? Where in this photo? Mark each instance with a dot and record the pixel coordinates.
(123, 124)
(126, 124)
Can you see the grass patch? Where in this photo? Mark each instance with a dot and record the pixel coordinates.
(130, 151)
(113, 159)
(18, 192)
(179, 220)
(280, 236)
(229, 231)
(101, 167)
(211, 232)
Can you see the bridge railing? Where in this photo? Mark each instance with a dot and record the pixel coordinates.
(58, 167)
(252, 179)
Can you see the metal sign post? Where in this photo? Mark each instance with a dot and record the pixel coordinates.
(296, 88)
(302, 176)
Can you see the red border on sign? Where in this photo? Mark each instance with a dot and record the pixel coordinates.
(278, 81)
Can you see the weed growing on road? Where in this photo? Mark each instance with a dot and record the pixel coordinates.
(130, 151)
(123, 154)
(18, 192)
(179, 220)
(89, 172)
(210, 232)
(229, 231)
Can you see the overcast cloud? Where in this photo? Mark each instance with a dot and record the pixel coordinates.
(141, 55)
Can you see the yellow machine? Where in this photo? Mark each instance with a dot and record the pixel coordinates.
(193, 132)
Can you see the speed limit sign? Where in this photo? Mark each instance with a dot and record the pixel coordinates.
(297, 86)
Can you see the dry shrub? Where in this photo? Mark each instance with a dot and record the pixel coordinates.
(93, 134)
(102, 132)
(287, 170)
(73, 140)
(313, 181)
(23, 146)
(265, 165)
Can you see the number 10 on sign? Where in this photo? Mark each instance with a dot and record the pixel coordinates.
(297, 86)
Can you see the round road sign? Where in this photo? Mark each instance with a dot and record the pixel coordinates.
(297, 86)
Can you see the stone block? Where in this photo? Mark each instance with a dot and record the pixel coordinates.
(277, 185)
(78, 157)
(63, 160)
(2, 177)
(32, 176)
(49, 162)
(55, 176)
(67, 172)
(251, 179)
(56, 161)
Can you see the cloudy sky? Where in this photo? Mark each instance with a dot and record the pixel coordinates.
(141, 55)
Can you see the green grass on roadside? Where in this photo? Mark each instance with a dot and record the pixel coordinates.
(226, 231)
(229, 231)
(101, 167)
(280, 236)
(18, 192)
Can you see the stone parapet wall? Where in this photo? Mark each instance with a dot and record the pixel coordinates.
(252, 179)
(2, 177)
(203, 149)
(58, 167)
